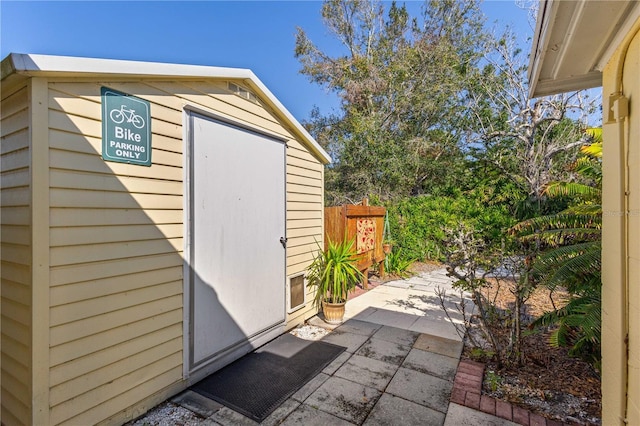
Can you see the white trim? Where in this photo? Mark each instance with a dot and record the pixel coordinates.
(194, 371)
(560, 27)
(632, 16)
(67, 66)
(186, 234)
(219, 116)
(49, 64)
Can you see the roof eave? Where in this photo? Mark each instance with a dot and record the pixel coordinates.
(574, 40)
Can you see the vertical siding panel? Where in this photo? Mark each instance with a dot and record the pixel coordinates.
(15, 256)
(40, 240)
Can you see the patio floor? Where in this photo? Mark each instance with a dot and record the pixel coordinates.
(398, 369)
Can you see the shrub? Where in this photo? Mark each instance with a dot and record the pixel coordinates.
(396, 263)
(418, 223)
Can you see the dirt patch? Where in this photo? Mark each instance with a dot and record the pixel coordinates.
(549, 381)
(415, 269)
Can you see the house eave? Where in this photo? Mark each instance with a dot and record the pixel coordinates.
(573, 41)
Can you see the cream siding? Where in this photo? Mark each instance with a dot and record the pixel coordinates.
(15, 257)
(621, 251)
(632, 84)
(107, 342)
(116, 242)
(116, 265)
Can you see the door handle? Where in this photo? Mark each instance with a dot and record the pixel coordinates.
(283, 241)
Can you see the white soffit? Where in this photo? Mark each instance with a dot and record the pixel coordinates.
(67, 66)
(573, 41)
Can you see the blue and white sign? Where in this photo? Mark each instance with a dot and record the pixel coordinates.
(126, 128)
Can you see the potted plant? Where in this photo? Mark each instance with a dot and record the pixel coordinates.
(387, 246)
(334, 273)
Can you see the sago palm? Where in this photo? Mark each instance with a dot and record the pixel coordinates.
(571, 255)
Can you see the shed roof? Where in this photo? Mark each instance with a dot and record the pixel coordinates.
(15, 65)
(574, 40)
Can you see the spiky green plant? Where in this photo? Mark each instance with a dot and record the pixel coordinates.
(396, 263)
(571, 255)
(334, 272)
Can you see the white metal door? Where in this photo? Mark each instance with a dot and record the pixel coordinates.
(236, 257)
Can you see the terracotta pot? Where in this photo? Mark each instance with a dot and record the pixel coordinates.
(386, 248)
(333, 312)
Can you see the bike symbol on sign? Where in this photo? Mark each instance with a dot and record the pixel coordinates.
(119, 115)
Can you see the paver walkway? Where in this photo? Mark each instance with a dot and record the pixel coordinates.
(398, 369)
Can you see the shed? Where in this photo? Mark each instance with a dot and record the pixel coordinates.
(582, 44)
(157, 221)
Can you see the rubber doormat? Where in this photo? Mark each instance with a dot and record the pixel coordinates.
(261, 381)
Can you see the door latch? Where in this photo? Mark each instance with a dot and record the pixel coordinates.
(283, 241)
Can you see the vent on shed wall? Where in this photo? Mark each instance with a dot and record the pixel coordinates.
(295, 292)
(242, 92)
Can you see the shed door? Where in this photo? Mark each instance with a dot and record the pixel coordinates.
(237, 261)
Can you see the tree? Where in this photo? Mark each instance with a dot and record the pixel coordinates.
(571, 257)
(399, 81)
(530, 141)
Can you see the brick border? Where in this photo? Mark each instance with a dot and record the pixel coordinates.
(467, 391)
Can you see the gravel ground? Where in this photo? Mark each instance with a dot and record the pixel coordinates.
(167, 414)
(309, 332)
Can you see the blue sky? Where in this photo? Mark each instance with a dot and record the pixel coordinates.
(259, 35)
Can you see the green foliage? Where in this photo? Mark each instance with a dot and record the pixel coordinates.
(480, 354)
(396, 264)
(571, 256)
(418, 224)
(334, 273)
(492, 380)
(578, 327)
(400, 79)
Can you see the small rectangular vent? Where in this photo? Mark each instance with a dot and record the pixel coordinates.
(242, 92)
(296, 292)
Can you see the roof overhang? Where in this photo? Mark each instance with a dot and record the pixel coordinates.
(22, 65)
(574, 40)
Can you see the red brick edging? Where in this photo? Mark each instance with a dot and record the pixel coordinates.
(467, 391)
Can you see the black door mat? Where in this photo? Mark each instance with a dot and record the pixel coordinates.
(261, 381)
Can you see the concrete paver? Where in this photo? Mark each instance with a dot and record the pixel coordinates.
(337, 363)
(227, 417)
(437, 365)
(363, 328)
(421, 388)
(396, 335)
(464, 416)
(367, 371)
(349, 340)
(309, 416)
(345, 399)
(439, 345)
(201, 405)
(391, 318)
(382, 350)
(281, 413)
(398, 369)
(391, 410)
(310, 387)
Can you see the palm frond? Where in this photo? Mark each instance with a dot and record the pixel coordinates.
(585, 210)
(572, 189)
(579, 326)
(556, 221)
(575, 273)
(560, 237)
